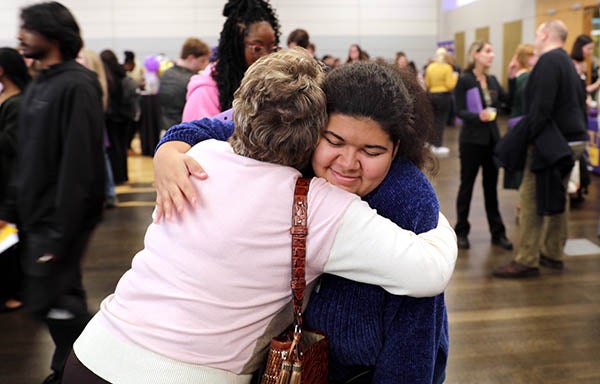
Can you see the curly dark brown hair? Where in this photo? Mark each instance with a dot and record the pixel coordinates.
(391, 97)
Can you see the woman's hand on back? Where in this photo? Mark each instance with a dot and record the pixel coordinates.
(172, 170)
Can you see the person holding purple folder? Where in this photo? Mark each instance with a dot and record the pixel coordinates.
(477, 96)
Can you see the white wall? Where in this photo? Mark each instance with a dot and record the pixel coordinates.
(381, 27)
(492, 13)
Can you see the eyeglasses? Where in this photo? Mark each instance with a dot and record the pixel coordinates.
(258, 49)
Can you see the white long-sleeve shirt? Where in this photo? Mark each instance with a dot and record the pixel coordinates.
(205, 289)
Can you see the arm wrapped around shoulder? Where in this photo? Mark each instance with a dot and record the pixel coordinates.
(372, 249)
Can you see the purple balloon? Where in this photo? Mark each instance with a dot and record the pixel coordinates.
(152, 64)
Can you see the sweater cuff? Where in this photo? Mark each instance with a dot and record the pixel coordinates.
(183, 132)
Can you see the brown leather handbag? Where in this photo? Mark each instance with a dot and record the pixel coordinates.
(298, 355)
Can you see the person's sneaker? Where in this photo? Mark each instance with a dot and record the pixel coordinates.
(515, 270)
(53, 378)
(463, 242)
(551, 263)
(502, 241)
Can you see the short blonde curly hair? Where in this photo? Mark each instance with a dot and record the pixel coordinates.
(279, 110)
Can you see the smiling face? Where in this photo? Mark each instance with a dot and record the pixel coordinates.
(354, 154)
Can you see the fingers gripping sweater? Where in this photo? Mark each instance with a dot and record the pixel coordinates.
(404, 339)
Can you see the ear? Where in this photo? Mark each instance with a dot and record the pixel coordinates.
(546, 35)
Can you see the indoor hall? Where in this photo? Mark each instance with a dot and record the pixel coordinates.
(537, 330)
(540, 330)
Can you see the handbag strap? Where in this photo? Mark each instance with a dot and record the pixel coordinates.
(299, 231)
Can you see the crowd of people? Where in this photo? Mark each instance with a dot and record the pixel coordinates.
(369, 133)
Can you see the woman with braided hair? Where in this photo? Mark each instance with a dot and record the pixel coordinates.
(250, 32)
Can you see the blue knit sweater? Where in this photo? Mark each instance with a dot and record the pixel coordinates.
(402, 339)
(405, 339)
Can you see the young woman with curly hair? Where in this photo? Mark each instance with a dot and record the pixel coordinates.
(250, 32)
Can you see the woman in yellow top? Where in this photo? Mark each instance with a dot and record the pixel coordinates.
(440, 80)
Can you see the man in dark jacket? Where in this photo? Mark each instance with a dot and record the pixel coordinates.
(59, 181)
(554, 101)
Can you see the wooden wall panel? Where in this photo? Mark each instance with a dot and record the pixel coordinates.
(512, 36)
(572, 13)
(588, 15)
(460, 49)
(482, 33)
(577, 17)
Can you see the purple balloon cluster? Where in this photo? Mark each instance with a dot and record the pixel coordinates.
(151, 64)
